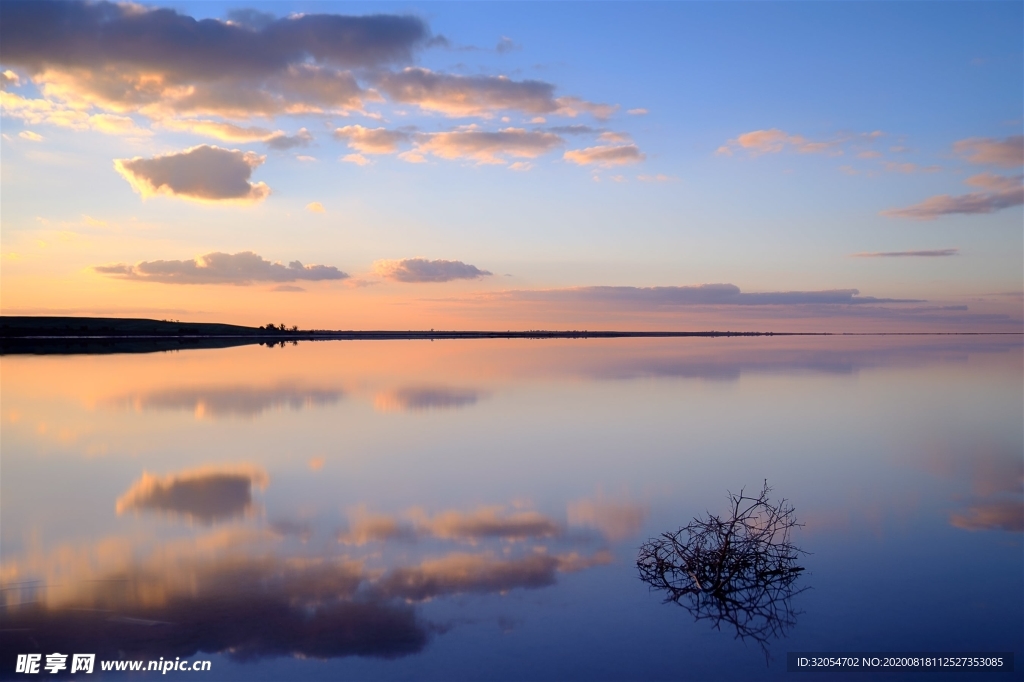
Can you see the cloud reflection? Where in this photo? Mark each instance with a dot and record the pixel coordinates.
(778, 356)
(989, 475)
(181, 602)
(423, 398)
(1005, 515)
(227, 591)
(458, 573)
(616, 519)
(484, 523)
(219, 402)
(205, 495)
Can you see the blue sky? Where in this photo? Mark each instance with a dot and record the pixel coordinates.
(769, 144)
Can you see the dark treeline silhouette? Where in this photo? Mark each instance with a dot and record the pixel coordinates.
(70, 335)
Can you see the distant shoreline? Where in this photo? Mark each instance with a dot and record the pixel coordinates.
(64, 335)
(52, 327)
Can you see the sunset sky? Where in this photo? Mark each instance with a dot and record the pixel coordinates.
(747, 166)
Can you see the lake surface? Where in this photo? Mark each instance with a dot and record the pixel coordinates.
(473, 509)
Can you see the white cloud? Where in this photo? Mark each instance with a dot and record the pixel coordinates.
(46, 112)
(280, 141)
(928, 253)
(8, 78)
(455, 95)
(423, 270)
(203, 173)
(697, 295)
(241, 268)
(130, 58)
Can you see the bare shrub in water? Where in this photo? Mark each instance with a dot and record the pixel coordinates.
(738, 569)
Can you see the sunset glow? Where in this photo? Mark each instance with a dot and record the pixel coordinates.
(474, 167)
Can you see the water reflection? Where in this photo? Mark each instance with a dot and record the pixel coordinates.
(738, 569)
(206, 495)
(844, 356)
(1005, 515)
(242, 589)
(989, 475)
(483, 523)
(218, 402)
(180, 603)
(252, 607)
(358, 533)
(615, 519)
(460, 573)
(426, 398)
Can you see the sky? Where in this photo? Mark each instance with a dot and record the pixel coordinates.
(846, 167)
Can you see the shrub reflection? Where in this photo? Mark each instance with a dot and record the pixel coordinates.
(739, 570)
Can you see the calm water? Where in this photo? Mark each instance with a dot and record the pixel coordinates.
(473, 509)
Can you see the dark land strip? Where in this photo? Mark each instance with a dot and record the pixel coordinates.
(31, 335)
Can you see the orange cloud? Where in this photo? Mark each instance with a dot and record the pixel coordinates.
(371, 140)
(487, 147)
(605, 156)
(773, 140)
(357, 159)
(999, 192)
(1008, 152)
